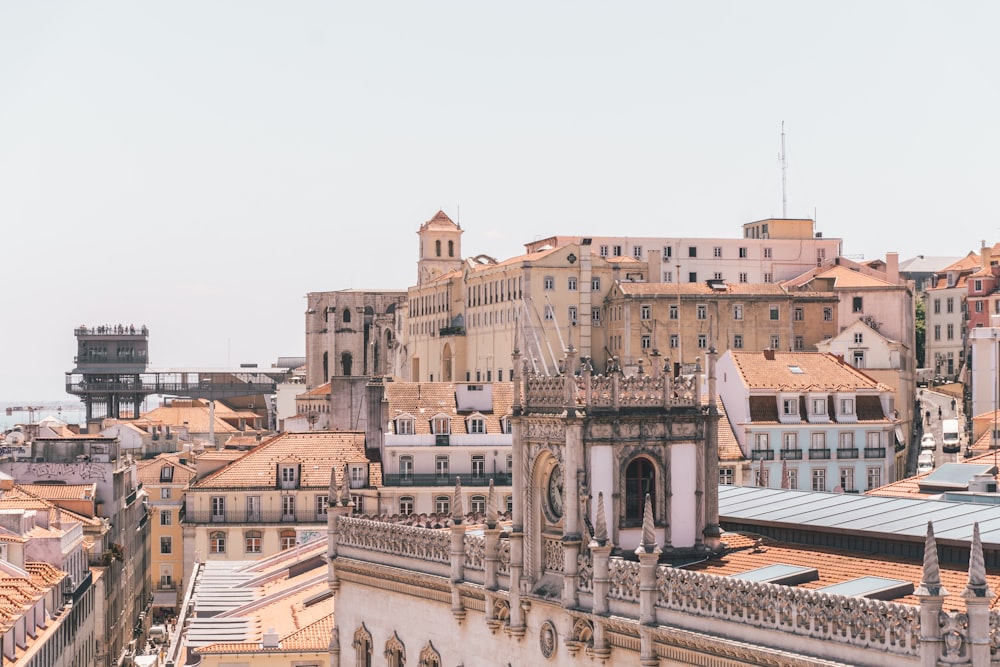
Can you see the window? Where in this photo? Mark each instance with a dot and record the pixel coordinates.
(738, 311)
(668, 276)
(977, 285)
(828, 314)
(819, 406)
(405, 468)
(702, 341)
(775, 341)
(847, 406)
(441, 426)
(646, 343)
(442, 505)
(441, 467)
(617, 251)
(672, 312)
(937, 306)
(874, 477)
(637, 251)
(510, 466)
(508, 502)
(595, 284)
(760, 441)
(165, 493)
(218, 508)
(726, 476)
(692, 251)
(287, 508)
(701, 311)
(817, 441)
(253, 508)
(847, 479)
(638, 482)
(595, 316)
(167, 474)
(798, 314)
(287, 539)
(252, 542)
(793, 478)
(359, 475)
(950, 304)
(166, 545)
(437, 248)
(979, 306)
(800, 343)
(768, 277)
(743, 277)
(674, 342)
(937, 332)
(288, 477)
(717, 251)
(857, 305)
(738, 341)
(359, 503)
(819, 479)
(550, 313)
(404, 426)
(693, 277)
(604, 251)
(217, 542)
(645, 311)
(789, 441)
(790, 406)
(859, 337)
(166, 581)
(874, 439)
(322, 505)
(767, 253)
(950, 328)
(774, 312)
(406, 505)
(477, 504)
(478, 466)
(859, 359)
(743, 252)
(571, 284)
(165, 519)
(549, 283)
(477, 425)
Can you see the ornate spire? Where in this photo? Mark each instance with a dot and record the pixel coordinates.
(648, 544)
(334, 493)
(345, 487)
(491, 507)
(457, 510)
(601, 527)
(977, 586)
(931, 581)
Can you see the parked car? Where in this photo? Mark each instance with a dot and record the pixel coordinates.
(925, 462)
(928, 442)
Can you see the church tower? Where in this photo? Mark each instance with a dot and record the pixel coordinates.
(440, 248)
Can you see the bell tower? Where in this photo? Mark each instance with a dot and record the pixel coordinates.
(440, 247)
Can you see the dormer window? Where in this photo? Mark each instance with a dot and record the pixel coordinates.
(441, 425)
(847, 406)
(505, 424)
(476, 424)
(288, 476)
(167, 474)
(819, 406)
(790, 406)
(404, 425)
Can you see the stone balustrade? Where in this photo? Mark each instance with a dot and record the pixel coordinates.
(394, 539)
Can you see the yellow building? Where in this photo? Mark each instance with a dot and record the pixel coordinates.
(681, 321)
(166, 478)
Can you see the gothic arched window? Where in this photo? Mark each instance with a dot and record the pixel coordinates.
(639, 480)
(347, 316)
(363, 647)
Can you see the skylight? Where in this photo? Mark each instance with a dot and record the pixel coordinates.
(796, 369)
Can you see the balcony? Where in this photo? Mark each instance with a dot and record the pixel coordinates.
(499, 479)
(451, 331)
(874, 452)
(791, 454)
(442, 439)
(261, 517)
(759, 454)
(847, 453)
(819, 454)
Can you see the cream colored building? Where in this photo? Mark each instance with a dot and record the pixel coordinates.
(273, 497)
(166, 479)
(946, 317)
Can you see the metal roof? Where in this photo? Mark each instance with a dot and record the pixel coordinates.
(863, 515)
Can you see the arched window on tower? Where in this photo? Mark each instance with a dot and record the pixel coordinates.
(437, 248)
(347, 316)
(346, 361)
(362, 647)
(639, 480)
(451, 248)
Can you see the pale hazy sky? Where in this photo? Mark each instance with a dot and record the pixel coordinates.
(198, 167)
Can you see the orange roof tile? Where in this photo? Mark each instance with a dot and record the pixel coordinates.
(820, 372)
(424, 400)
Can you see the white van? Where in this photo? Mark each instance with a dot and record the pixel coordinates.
(925, 462)
(951, 440)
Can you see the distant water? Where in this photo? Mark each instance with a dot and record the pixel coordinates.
(69, 410)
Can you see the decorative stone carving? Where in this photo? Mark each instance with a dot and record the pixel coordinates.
(475, 552)
(547, 638)
(585, 572)
(552, 558)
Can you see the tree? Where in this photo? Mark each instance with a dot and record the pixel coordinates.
(920, 321)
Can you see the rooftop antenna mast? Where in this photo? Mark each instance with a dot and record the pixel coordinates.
(784, 175)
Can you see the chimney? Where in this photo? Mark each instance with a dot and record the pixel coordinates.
(270, 639)
(768, 354)
(892, 267)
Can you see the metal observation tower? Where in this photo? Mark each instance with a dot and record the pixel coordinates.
(112, 375)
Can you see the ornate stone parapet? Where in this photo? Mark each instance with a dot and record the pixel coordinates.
(406, 541)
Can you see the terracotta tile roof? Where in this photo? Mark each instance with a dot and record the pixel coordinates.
(61, 491)
(729, 448)
(316, 452)
(149, 470)
(424, 400)
(820, 372)
(322, 390)
(195, 415)
(835, 566)
(762, 290)
(17, 499)
(842, 277)
(440, 221)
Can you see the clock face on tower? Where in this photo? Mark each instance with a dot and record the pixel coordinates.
(554, 493)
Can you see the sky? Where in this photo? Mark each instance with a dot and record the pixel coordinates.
(199, 167)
